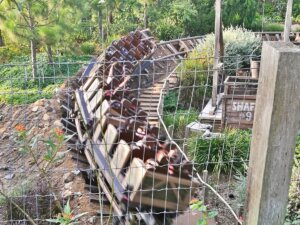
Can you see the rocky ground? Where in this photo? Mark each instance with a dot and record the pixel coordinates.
(20, 176)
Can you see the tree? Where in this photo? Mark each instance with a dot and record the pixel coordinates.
(239, 12)
(22, 20)
(40, 22)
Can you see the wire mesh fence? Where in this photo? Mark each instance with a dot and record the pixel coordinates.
(143, 141)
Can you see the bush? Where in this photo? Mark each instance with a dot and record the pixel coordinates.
(166, 31)
(195, 84)
(170, 101)
(18, 87)
(221, 153)
(179, 120)
(239, 43)
(293, 207)
(9, 51)
(273, 27)
(297, 19)
(88, 48)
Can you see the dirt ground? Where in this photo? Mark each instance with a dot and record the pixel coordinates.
(20, 176)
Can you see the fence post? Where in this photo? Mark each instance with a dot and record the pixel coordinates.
(276, 122)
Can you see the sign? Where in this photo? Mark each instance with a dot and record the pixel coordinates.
(245, 109)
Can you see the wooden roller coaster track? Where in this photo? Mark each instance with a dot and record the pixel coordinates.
(115, 125)
(118, 133)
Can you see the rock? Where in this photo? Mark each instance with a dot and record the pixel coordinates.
(92, 220)
(67, 194)
(5, 136)
(35, 108)
(4, 168)
(77, 194)
(46, 117)
(41, 125)
(57, 123)
(39, 103)
(59, 162)
(68, 186)
(31, 162)
(76, 172)
(9, 176)
(49, 109)
(68, 177)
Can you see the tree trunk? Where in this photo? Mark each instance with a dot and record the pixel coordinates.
(50, 54)
(110, 17)
(145, 16)
(1, 39)
(33, 58)
(100, 24)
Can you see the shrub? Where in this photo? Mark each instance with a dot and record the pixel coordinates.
(273, 27)
(179, 120)
(297, 19)
(170, 101)
(88, 48)
(239, 43)
(293, 207)
(166, 30)
(221, 153)
(9, 51)
(18, 87)
(195, 84)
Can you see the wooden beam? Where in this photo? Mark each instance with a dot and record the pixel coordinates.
(217, 52)
(288, 21)
(276, 122)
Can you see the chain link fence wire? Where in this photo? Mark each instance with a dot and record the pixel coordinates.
(142, 143)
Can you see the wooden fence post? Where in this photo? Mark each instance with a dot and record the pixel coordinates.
(276, 123)
(288, 21)
(218, 45)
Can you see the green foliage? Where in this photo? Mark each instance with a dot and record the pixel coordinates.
(197, 205)
(297, 151)
(10, 51)
(179, 120)
(273, 27)
(240, 189)
(170, 101)
(239, 12)
(222, 153)
(238, 42)
(297, 19)
(17, 86)
(88, 48)
(195, 82)
(293, 207)
(73, 22)
(167, 30)
(66, 217)
(17, 191)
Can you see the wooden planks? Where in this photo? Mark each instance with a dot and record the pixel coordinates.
(116, 132)
(157, 190)
(239, 102)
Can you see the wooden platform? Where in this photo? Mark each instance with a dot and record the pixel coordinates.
(211, 115)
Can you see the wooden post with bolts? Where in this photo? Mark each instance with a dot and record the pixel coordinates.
(276, 122)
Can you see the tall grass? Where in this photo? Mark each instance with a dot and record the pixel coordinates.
(223, 153)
